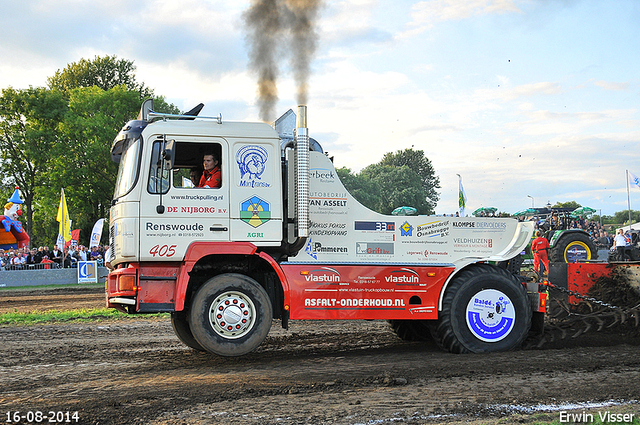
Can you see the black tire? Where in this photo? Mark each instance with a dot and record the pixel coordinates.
(230, 315)
(182, 330)
(485, 309)
(412, 330)
(573, 242)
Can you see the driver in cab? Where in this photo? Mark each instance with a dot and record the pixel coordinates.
(211, 176)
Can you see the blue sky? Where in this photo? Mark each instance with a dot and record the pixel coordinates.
(524, 99)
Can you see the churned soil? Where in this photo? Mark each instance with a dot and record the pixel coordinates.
(135, 371)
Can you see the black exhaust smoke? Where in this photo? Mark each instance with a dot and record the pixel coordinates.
(285, 26)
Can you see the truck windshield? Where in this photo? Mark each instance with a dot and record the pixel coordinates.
(129, 164)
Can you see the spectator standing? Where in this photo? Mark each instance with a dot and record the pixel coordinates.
(620, 242)
(32, 257)
(56, 255)
(82, 253)
(18, 261)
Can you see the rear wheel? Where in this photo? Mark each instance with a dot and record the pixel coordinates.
(230, 315)
(183, 331)
(412, 330)
(485, 309)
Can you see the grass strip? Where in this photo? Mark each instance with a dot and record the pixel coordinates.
(58, 316)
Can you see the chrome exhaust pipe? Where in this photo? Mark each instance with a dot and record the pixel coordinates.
(302, 172)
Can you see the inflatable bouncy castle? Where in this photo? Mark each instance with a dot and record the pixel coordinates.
(12, 235)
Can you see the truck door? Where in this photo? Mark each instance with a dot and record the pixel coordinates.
(174, 211)
(256, 205)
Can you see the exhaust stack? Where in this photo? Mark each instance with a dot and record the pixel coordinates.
(302, 172)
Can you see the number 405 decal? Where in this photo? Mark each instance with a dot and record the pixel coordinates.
(163, 251)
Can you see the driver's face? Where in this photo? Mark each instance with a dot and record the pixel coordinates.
(209, 162)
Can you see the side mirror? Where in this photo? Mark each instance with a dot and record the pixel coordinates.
(168, 154)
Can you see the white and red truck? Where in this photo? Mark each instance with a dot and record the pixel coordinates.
(282, 238)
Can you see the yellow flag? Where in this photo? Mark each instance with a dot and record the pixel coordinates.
(64, 228)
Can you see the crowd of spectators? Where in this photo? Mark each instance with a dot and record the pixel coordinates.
(43, 258)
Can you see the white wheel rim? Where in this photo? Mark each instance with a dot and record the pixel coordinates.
(490, 315)
(232, 315)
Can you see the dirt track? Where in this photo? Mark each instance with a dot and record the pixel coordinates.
(136, 371)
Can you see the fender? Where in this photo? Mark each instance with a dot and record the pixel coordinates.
(198, 250)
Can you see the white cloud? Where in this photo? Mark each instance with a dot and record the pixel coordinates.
(426, 14)
(607, 85)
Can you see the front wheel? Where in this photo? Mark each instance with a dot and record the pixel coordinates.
(485, 309)
(182, 330)
(230, 315)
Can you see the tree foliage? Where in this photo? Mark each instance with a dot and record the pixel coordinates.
(568, 204)
(104, 72)
(28, 133)
(405, 178)
(622, 217)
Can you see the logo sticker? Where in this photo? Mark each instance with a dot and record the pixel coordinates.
(255, 211)
(252, 161)
(406, 229)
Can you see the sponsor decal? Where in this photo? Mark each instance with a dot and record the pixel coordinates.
(354, 302)
(323, 275)
(421, 310)
(374, 248)
(213, 198)
(251, 160)
(473, 242)
(318, 247)
(182, 227)
(433, 229)
(323, 175)
(490, 315)
(309, 250)
(313, 248)
(255, 211)
(428, 253)
(327, 229)
(376, 226)
(255, 235)
(328, 202)
(491, 225)
(196, 210)
(403, 276)
(406, 229)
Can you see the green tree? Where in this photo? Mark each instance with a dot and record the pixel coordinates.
(568, 204)
(405, 178)
(622, 217)
(104, 72)
(81, 162)
(421, 165)
(397, 187)
(363, 189)
(29, 122)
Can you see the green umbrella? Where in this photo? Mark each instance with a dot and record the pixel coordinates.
(486, 210)
(404, 211)
(528, 211)
(582, 212)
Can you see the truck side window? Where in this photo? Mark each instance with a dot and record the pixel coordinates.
(188, 166)
(158, 178)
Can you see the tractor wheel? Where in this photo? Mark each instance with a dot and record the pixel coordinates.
(183, 331)
(485, 309)
(412, 330)
(573, 246)
(230, 315)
